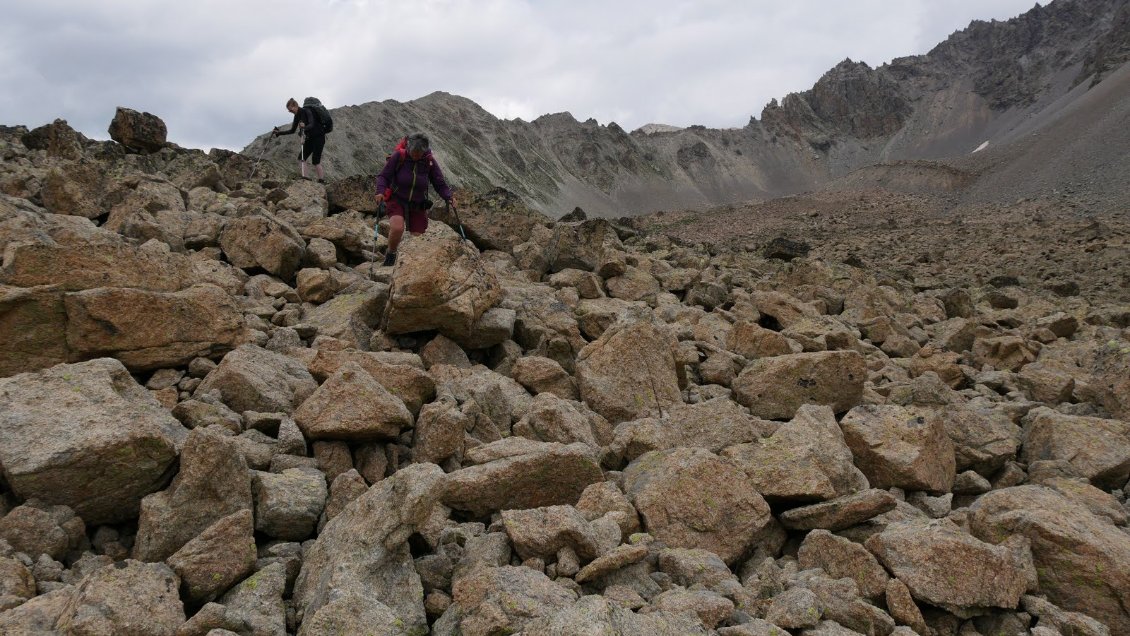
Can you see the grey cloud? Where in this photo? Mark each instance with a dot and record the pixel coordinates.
(219, 72)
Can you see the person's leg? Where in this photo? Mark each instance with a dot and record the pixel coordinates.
(318, 143)
(395, 232)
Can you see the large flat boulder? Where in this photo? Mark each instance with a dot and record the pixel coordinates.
(774, 388)
(629, 372)
(152, 330)
(81, 265)
(439, 283)
(363, 551)
(520, 473)
(86, 436)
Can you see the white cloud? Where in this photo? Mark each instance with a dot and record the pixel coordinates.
(219, 73)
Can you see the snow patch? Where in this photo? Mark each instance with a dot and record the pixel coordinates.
(981, 147)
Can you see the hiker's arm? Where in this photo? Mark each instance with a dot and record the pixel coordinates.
(386, 177)
(438, 182)
(293, 125)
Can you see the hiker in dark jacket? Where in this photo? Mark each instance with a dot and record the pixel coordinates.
(307, 123)
(403, 185)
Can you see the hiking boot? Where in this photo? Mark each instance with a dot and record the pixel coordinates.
(390, 259)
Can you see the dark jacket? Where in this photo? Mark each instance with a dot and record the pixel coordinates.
(410, 179)
(310, 118)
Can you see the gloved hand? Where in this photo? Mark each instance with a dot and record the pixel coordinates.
(275, 131)
(387, 195)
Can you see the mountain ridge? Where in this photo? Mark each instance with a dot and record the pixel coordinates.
(982, 84)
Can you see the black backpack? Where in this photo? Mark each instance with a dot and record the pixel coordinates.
(323, 115)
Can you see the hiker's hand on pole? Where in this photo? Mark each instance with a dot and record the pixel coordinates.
(275, 131)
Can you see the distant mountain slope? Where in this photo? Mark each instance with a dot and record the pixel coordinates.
(994, 82)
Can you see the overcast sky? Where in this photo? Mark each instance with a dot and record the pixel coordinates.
(219, 72)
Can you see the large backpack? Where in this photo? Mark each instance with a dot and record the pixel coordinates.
(323, 115)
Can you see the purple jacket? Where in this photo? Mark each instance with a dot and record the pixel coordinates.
(409, 179)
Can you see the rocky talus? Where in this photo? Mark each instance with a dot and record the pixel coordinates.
(218, 417)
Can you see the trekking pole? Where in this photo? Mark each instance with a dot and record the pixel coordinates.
(376, 236)
(455, 210)
(261, 153)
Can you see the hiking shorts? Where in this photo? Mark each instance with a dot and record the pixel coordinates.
(312, 149)
(416, 219)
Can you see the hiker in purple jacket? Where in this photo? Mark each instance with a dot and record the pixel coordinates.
(403, 185)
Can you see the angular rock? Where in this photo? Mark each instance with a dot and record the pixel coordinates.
(691, 498)
(364, 550)
(795, 608)
(354, 192)
(713, 425)
(842, 558)
(1098, 449)
(33, 324)
(351, 315)
(439, 284)
(945, 566)
(543, 532)
(629, 372)
(617, 558)
(213, 483)
(500, 600)
(217, 558)
(264, 242)
(439, 432)
(1083, 561)
(38, 616)
(806, 459)
(351, 405)
(86, 436)
(774, 388)
(895, 447)
(92, 264)
(518, 473)
(288, 504)
(129, 598)
(256, 603)
(139, 132)
(405, 380)
(35, 528)
(251, 378)
(542, 375)
(553, 419)
(353, 614)
(842, 512)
